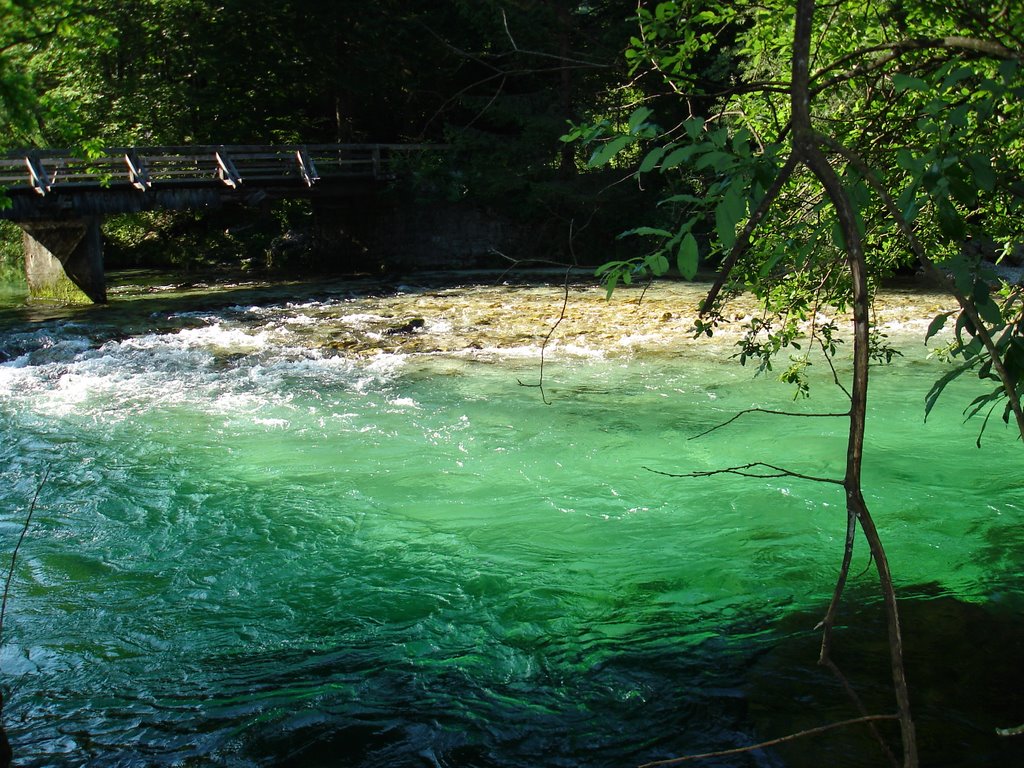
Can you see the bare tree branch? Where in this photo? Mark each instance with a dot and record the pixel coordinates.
(769, 743)
(743, 470)
(852, 694)
(773, 413)
(542, 54)
(14, 554)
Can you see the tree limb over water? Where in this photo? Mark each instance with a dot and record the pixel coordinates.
(843, 415)
(769, 743)
(744, 470)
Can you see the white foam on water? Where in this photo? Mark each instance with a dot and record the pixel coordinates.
(217, 336)
(362, 319)
(404, 402)
(583, 350)
(646, 340)
(276, 424)
(513, 353)
(219, 367)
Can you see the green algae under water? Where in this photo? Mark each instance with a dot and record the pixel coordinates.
(256, 546)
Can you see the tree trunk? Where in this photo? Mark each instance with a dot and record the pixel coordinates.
(806, 146)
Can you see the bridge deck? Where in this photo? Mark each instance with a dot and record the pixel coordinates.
(47, 171)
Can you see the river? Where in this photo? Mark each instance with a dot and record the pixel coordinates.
(423, 524)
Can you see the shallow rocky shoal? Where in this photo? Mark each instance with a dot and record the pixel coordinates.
(577, 318)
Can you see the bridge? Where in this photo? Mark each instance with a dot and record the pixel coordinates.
(59, 199)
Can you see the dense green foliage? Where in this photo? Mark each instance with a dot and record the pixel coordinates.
(495, 81)
(919, 105)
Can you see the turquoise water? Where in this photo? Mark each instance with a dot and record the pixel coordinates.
(255, 550)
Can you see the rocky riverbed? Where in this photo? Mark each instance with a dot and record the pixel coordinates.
(571, 319)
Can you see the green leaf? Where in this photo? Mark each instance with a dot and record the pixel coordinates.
(694, 127)
(608, 267)
(951, 224)
(961, 272)
(657, 263)
(638, 118)
(984, 176)
(963, 190)
(725, 224)
(741, 143)
(604, 153)
(907, 203)
(1008, 69)
(956, 76)
(687, 256)
(735, 201)
(936, 325)
(903, 82)
(958, 117)
(940, 385)
(646, 231)
(981, 401)
(682, 199)
(987, 309)
(905, 159)
(680, 156)
(651, 160)
(720, 161)
(610, 283)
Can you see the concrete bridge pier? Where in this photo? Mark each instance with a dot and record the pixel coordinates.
(64, 260)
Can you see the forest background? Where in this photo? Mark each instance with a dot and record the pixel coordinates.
(497, 83)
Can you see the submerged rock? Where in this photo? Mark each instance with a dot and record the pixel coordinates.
(409, 326)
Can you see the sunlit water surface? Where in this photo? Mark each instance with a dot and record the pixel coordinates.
(260, 545)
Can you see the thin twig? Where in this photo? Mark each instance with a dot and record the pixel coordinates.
(772, 413)
(561, 316)
(743, 239)
(743, 471)
(14, 554)
(551, 332)
(543, 54)
(835, 373)
(770, 743)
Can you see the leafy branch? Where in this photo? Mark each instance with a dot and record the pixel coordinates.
(967, 304)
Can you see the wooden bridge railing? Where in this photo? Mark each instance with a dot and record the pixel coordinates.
(46, 171)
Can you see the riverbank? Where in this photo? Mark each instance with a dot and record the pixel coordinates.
(471, 311)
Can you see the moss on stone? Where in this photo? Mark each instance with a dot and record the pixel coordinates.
(60, 290)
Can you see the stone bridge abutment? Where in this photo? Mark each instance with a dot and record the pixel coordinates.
(64, 260)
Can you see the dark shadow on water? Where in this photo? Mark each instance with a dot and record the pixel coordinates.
(745, 686)
(963, 666)
(620, 702)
